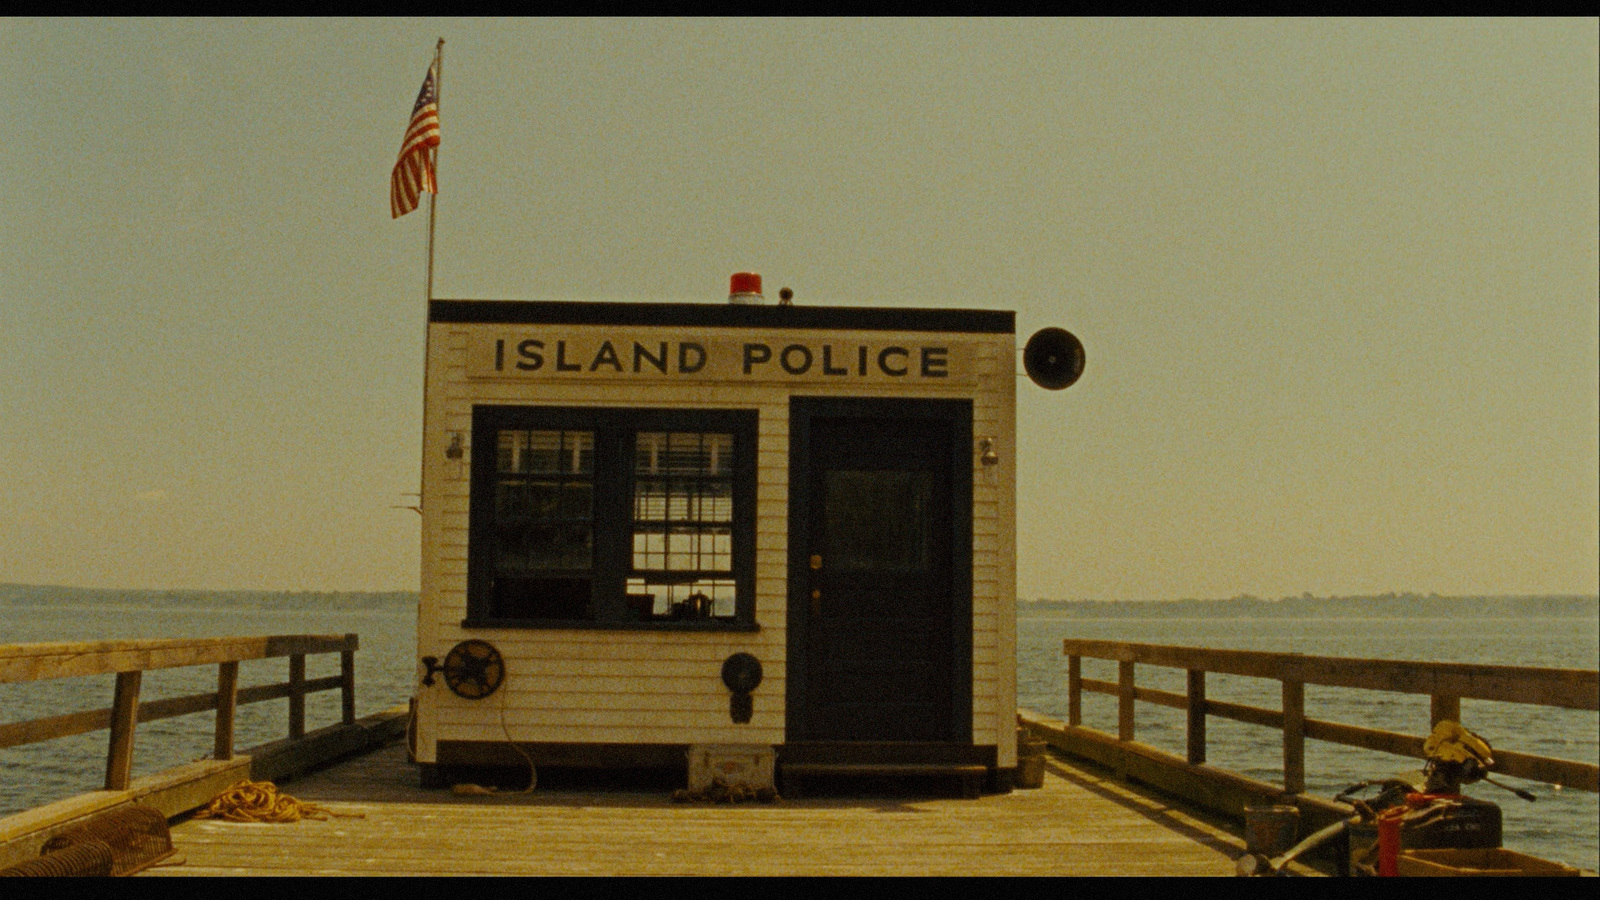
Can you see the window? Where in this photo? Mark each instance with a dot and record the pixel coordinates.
(544, 522)
(683, 524)
(612, 518)
(858, 503)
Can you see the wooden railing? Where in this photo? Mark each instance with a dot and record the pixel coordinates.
(128, 660)
(1447, 684)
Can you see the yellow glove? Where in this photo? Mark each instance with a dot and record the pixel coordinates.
(1452, 743)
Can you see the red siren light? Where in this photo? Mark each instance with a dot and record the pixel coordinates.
(744, 287)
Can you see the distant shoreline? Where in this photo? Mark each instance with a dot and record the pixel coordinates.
(1305, 606)
(34, 593)
(1382, 606)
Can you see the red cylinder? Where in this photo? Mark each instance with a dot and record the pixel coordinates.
(1389, 846)
(744, 283)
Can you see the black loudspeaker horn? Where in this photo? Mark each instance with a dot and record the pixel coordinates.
(1053, 358)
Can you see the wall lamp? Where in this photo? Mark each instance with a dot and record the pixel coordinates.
(987, 455)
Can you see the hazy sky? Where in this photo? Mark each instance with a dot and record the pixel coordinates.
(1336, 279)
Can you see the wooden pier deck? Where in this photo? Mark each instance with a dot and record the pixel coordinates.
(1079, 824)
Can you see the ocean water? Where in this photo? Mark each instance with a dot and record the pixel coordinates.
(1562, 824)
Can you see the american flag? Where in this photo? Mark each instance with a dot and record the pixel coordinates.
(414, 173)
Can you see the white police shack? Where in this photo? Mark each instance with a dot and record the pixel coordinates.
(745, 540)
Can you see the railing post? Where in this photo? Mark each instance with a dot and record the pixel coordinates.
(1294, 736)
(347, 687)
(1074, 690)
(297, 696)
(1444, 708)
(1197, 716)
(1125, 700)
(124, 716)
(227, 703)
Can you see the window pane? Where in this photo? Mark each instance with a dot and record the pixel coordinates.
(721, 549)
(510, 499)
(718, 454)
(648, 446)
(543, 598)
(653, 598)
(715, 502)
(649, 550)
(577, 501)
(578, 452)
(511, 554)
(878, 521)
(679, 501)
(509, 453)
(544, 452)
(684, 456)
(680, 550)
(684, 453)
(543, 547)
(542, 499)
(649, 501)
(577, 546)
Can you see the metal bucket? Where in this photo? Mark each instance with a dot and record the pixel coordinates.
(1271, 830)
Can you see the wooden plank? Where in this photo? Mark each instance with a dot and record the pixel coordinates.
(1096, 686)
(1140, 694)
(1563, 772)
(1294, 737)
(1125, 700)
(1567, 688)
(1075, 690)
(1443, 708)
(1239, 712)
(1159, 697)
(124, 716)
(1195, 715)
(38, 661)
(347, 686)
(15, 734)
(1368, 738)
(297, 696)
(227, 704)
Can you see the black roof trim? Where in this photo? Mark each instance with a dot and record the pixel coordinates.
(717, 315)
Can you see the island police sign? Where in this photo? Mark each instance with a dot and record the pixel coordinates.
(558, 355)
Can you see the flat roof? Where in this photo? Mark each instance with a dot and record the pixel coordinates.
(720, 315)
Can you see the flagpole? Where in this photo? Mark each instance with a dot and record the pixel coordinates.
(433, 195)
(427, 313)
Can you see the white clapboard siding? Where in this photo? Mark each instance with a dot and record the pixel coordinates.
(628, 686)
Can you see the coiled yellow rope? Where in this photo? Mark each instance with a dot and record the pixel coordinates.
(259, 801)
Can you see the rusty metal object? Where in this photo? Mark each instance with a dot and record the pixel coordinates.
(92, 859)
(121, 841)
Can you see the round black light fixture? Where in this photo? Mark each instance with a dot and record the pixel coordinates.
(1053, 358)
(741, 672)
